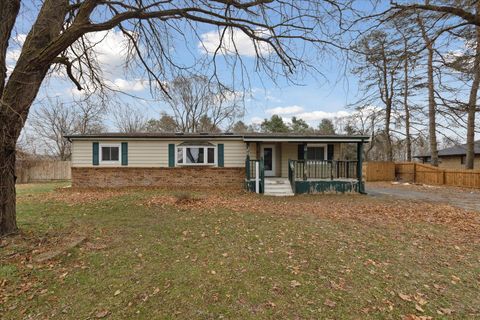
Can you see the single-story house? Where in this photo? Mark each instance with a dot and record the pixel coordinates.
(287, 163)
(454, 157)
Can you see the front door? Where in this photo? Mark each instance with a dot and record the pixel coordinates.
(268, 154)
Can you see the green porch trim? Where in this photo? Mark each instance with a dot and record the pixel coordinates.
(359, 167)
(124, 153)
(95, 154)
(171, 155)
(328, 186)
(220, 157)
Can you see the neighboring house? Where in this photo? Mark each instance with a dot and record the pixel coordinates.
(299, 163)
(454, 157)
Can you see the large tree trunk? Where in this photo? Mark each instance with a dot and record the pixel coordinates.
(388, 117)
(472, 101)
(432, 107)
(408, 139)
(18, 95)
(8, 223)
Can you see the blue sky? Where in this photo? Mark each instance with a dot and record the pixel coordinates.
(314, 98)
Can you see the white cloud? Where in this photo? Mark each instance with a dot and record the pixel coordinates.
(14, 53)
(233, 42)
(110, 47)
(129, 85)
(319, 115)
(20, 38)
(256, 120)
(285, 110)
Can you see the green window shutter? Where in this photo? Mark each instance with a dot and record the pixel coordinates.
(171, 155)
(220, 158)
(124, 153)
(300, 152)
(95, 154)
(330, 149)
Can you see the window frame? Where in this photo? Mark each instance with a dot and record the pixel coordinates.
(325, 150)
(110, 145)
(205, 155)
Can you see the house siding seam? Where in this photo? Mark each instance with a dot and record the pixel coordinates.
(180, 177)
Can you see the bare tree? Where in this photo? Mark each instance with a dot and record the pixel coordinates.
(54, 119)
(51, 122)
(89, 116)
(166, 123)
(196, 99)
(432, 105)
(472, 101)
(458, 9)
(378, 65)
(366, 120)
(129, 120)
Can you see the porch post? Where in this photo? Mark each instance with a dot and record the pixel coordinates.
(361, 188)
(305, 153)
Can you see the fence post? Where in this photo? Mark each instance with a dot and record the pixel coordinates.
(359, 166)
(257, 177)
(305, 158)
(414, 172)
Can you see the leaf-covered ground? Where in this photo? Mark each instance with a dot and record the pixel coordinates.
(153, 254)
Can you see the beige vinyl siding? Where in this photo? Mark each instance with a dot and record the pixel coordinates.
(455, 162)
(148, 153)
(337, 151)
(253, 151)
(152, 153)
(82, 153)
(234, 153)
(289, 152)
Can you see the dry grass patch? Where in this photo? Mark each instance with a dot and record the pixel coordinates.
(162, 254)
(363, 209)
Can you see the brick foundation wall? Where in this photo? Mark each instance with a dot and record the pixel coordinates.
(183, 177)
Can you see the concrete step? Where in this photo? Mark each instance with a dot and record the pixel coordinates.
(276, 181)
(279, 194)
(278, 187)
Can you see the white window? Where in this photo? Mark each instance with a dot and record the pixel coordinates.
(196, 155)
(110, 153)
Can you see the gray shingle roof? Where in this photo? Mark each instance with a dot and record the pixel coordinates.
(458, 150)
(211, 135)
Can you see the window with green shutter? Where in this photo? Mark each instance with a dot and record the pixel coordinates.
(124, 154)
(171, 155)
(95, 154)
(220, 150)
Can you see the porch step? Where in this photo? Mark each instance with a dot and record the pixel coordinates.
(279, 187)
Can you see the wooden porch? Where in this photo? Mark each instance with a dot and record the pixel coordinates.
(318, 176)
(310, 165)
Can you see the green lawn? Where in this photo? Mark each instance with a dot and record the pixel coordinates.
(153, 254)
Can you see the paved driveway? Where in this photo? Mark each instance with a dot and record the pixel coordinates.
(468, 199)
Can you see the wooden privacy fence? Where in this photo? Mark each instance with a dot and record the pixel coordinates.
(42, 170)
(405, 171)
(427, 174)
(421, 173)
(379, 171)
